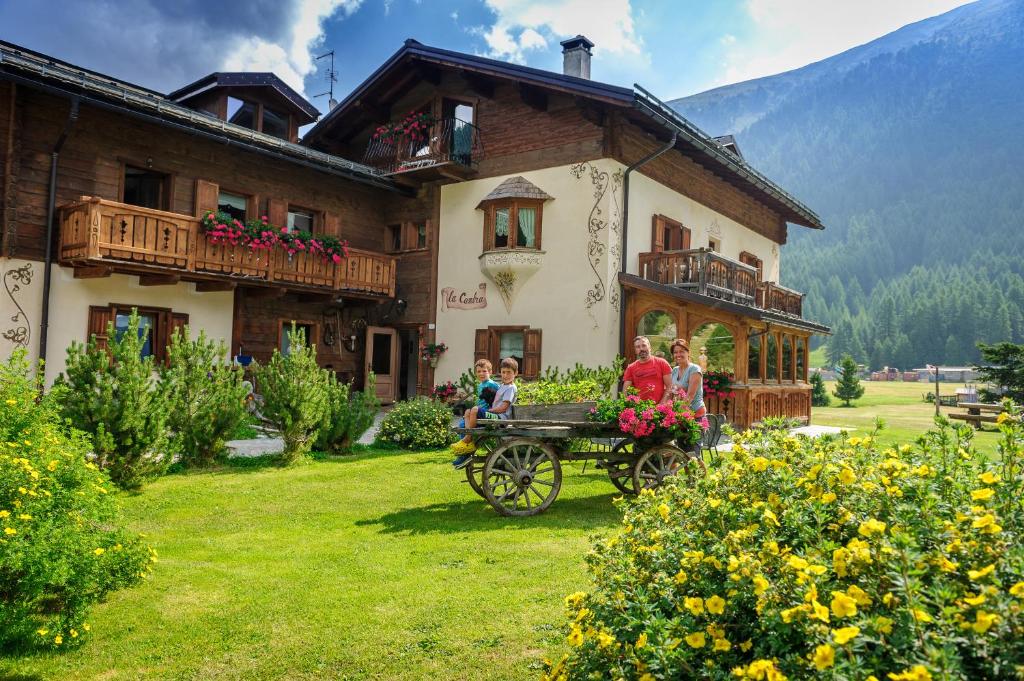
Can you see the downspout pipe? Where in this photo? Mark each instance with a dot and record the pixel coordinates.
(51, 205)
(625, 225)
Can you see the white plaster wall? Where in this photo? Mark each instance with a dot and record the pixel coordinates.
(647, 198)
(554, 299)
(21, 295)
(70, 299)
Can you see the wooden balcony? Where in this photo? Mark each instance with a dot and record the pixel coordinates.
(109, 236)
(450, 151)
(708, 273)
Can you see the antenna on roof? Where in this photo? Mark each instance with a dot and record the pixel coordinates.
(332, 78)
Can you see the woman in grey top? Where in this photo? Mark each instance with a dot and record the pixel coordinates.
(687, 377)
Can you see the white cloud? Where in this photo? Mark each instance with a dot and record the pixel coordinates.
(789, 34)
(524, 25)
(290, 58)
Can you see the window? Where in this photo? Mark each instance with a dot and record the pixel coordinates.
(754, 261)
(512, 224)
(147, 327)
(406, 236)
(300, 219)
(233, 204)
(519, 342)
(787, 358)
(275, 124)
(155, 326)
(421, 235)
(772, 360)
(242, 113)
(307, 329)
(668, 235)
(146, 188)
(801, 359)
(754, 359)
(393, 238)
(715, 245)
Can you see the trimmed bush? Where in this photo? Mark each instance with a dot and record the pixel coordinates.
(419, 423)
(554, 392)
(61, 545)
(294, 390)
(816, 559)
(112, 394)
(205, 397)
(349, 414)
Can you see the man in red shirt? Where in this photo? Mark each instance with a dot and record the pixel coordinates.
(652, 376)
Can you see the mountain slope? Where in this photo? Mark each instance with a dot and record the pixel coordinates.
(910, 148)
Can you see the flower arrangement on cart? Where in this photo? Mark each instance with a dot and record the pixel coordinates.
(648, 422)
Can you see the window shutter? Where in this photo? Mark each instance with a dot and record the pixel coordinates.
(686, 238)
(481, 345)
(179, 320)
(252, 207)
(99, 318)
(277, 212)
(408, 236)
(332, 225)
(207, 194)
(657, 234)
(531, 353)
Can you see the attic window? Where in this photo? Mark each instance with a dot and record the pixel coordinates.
(275, 124)
(242, 113)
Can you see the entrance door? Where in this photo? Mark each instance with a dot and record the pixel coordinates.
(382, 360)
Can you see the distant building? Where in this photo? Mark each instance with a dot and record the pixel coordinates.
(955, 374)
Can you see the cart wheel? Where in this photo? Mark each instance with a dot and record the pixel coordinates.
(621, 472)
(658, 463)
(475, 468)
(522, 477)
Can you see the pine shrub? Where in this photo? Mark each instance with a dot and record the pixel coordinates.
(349, 414)
(419, 423)
(805, 559)
(113, 395)
(819, 395)
(848, 387)
(295, 395)
(205, 397)
(62, 547)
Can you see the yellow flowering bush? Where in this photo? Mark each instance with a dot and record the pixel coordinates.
(61, 547)
(832, 558)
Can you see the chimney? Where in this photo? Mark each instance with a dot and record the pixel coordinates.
(576, 57)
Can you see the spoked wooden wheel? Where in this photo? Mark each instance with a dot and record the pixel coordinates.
(621, 472)
(475, 468)
(522, 477)
(660, 462)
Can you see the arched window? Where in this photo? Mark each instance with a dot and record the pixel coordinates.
(754, 358)
(660, 328)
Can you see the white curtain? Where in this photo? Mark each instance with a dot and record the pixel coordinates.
(527, 220)
(501, 222)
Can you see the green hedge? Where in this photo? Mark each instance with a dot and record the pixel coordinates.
(419, 423)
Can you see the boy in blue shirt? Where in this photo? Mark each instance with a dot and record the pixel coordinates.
(464, 448)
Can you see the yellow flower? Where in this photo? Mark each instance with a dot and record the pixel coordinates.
(797, 563)
(988, 477)
(716, 605)
(680, 577)
(888, 599)
(714, 503)
(571, 601)
(604, 640)
(883, 625)
(12, 402)
(642, 641)
(975, 575)
(843, 605)
(663, 511)
(647, 677)
(760, 463)
(824, 657)
(828, 497)
(983, 621)
(1017, 589)
(58, 639)
(722, 645)
(922, 616)
(790, 613)
(769, 517)
(746, 645)
(916, 673)
(575, 637)
(696, 640)
(870, 527)
(1003, 416)
(858, 594)
(5, 514)
(74, 634)
(99, 552)
(820, 611)
(695, 604)
(42, 632)
(87, 626)
(983, 494)
(845, 635)
(10, 531)
(847, 476)
(760, 585)
(974, 600)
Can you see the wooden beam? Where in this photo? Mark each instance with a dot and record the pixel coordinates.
(91, 272)
(533, 97)
(211, 286)
(479, 84)
(266, 292)
(429, 73)
(158, 279)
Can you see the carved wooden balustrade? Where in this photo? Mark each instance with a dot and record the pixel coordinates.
(449, 141)
(702, 271)
(772, 296)
(107, 234)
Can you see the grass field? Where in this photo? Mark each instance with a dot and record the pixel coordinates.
(383, 565)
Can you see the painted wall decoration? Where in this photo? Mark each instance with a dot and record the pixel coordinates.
(21, 331)
(451, 299)
(601, 181)
(509, 269)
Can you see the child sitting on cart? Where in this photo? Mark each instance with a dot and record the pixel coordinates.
(500, 408)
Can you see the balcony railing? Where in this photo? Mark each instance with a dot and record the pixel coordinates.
(450, 142)
(708, 273)
(100, 233)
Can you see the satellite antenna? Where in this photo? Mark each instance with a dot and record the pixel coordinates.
(332, 78)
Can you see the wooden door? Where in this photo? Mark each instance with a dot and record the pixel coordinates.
(382, 359)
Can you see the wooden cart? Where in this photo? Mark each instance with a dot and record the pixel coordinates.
(517, 466)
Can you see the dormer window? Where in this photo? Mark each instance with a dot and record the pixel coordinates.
(512, 215)
(242, 113)
(275, 123)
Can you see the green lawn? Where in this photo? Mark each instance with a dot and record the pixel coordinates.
(383, 565)
(899, 404)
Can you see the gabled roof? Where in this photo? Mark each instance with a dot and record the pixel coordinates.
(517, 187)
(248, 79)
(45, 73)
(638, 103)
(728, 142)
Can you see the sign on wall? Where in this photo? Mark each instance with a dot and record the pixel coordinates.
(452, 299)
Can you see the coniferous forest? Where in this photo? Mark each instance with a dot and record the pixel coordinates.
(910, 148)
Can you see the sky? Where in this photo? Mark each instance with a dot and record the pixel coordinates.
(672, 48)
